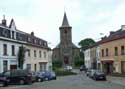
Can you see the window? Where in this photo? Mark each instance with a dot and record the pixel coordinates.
(13, 35)
(34, 53)
(29, 39)
(44, 54)
(13, 50)
(4, 49)
(116, 51)
(122, 50)
(40, 54)
(29, 66)
(28, 52)
(102, 52)
(35, 67)
(106, 51)
(65, 31)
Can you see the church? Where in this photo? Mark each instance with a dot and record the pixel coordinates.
(66, 51)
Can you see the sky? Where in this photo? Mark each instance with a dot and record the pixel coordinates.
(88, 18)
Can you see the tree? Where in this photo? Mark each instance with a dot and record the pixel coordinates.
(86, 43)
(78, 61)
(56, 63)
(21, 55)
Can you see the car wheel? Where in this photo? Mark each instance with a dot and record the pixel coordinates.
(21, 82)
(2, 84)
(39, 80)
(46, 79)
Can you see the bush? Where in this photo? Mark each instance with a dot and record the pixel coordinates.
(64, 73)
(56, 64)
(79, 62)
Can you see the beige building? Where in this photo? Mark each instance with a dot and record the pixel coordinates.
(113, 52)
(37, 58)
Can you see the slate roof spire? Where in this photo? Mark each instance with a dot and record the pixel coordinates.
(65, 21)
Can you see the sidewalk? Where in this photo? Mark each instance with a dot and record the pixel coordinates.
(116, 80)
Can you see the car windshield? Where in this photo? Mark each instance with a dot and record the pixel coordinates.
(99, 72)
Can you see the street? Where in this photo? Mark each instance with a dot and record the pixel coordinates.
(79, 81)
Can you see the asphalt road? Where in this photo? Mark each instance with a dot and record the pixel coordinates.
(79, 81)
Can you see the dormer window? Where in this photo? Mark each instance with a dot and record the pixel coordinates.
(13, 33)
(44, 43)
(34, 40)
(29, 39)
(40, 42)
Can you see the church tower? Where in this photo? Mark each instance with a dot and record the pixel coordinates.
(66, 42)
(66, 51)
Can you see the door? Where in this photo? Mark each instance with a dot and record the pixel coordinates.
(123, 66)
(13, 67)
(66, 60)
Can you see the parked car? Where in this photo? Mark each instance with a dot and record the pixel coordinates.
(88, 72)
(39, 76)
(92, 71)
(18, 77)
(82, 68)
(69, 68)
(49, 75)
(3, 81)
(99, 75)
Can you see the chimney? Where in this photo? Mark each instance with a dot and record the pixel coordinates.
(4, 21)
(123, 27)
(32, 33)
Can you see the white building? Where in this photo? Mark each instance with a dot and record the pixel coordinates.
(98, 57)
(87, 58)
(37, 54)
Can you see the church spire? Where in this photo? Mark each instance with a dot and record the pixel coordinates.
(65, 21)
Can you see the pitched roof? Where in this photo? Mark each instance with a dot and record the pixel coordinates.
(65, 22)
(119, 34)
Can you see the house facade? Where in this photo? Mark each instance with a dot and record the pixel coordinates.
(87, 58)
(92, 59)
(113, 52)
(36, 55)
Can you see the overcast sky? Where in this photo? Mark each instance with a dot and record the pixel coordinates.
(88, 18)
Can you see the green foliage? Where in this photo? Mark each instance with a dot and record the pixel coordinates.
(64, 73)
(86, 43)
(79, 62)
(21, 55)
(57, 64)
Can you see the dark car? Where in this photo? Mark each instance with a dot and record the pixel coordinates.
(99, 75)
(49, 75)
(82, 68)
(3, 81)
(18, 77)
(39, 76)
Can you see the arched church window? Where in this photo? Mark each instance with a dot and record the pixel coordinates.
(65, 31)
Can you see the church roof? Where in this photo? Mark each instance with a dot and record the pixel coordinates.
(74, 46)
(65, 22)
